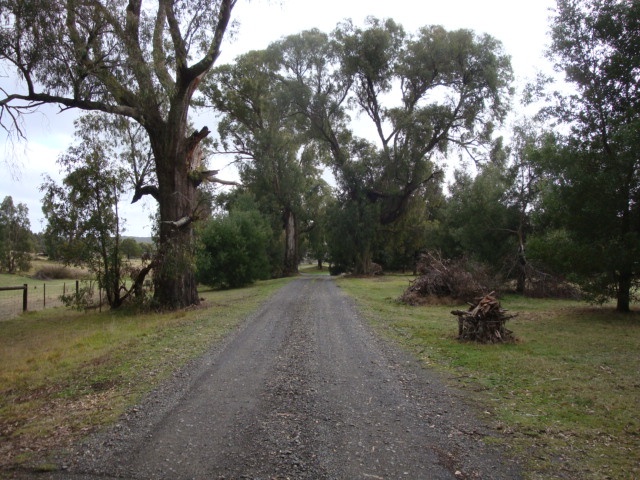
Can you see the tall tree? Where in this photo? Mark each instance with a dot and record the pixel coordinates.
(141, 60)
(523, 194)
(472, 74)
(16, 239)
(594, 195)
(83, 212)
(260, 129)
(423, 94)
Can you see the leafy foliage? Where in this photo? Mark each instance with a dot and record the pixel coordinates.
(355, 71)
(82, 215)
(592, 196)
(234, 248)
(16, 240)
(131, 248)
(260, 128)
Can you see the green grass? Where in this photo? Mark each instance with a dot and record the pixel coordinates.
(64, 373)
(566, 395)
(312, 268)
(41, 293)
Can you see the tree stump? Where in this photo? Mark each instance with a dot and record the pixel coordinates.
(484, 322)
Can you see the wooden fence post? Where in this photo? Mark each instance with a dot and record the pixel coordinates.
(24, 298)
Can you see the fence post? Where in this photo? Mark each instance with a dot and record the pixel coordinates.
(44, 295)
(24, 298)
(77, 288)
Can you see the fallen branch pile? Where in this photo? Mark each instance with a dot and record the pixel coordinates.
(484, 322)
(443, 278)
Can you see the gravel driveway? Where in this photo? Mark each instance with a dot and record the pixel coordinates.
(303, 390)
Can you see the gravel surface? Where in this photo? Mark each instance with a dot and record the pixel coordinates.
(303, 390)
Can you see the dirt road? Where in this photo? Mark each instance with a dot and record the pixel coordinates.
(303, 390)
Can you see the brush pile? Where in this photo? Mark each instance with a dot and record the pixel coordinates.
(446, 279)
(484, 322)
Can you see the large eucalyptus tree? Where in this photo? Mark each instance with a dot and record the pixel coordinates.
(142, 59)
(424, 94)
(260, 129)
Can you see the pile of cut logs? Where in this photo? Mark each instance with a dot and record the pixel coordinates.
(484, 322)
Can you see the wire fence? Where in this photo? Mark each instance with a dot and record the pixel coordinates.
(34, 296)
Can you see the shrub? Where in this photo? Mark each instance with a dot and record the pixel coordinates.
(233, 250)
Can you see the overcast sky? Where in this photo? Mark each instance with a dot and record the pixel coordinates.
(521, 26)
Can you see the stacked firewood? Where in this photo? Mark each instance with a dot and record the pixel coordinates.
(484, 322)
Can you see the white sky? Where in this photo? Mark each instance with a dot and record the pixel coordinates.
(520, 25)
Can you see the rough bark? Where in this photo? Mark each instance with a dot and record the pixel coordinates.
(364, 262)
(174, 277)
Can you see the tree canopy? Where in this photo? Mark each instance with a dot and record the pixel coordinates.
(424, 94)
(16, 240)
(140, 60)
(594, 170)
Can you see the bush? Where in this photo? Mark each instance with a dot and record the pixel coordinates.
(80, 300)
(233, 250)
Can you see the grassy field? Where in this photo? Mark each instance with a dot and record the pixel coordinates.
(566, 395)
(64, 373)
(42, 292)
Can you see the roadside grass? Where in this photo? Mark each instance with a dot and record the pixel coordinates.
(566, 395)
(65, 373)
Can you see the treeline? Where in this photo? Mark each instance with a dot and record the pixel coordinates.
(558, 195)
(19, 245)
(342, 141)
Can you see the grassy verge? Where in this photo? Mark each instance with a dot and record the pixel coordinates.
(566, 395)
(64, 373)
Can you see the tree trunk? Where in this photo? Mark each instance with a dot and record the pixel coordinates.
(363, 262)
(624, 290)
(174, 274)
(291, 244)
(174, 277)
(522, 265)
